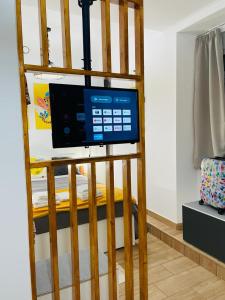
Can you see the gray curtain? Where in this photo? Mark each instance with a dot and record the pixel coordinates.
(209, 98)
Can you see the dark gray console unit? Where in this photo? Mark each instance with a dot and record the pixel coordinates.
(204, 228)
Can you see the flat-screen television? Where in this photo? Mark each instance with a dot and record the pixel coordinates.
(88, 116)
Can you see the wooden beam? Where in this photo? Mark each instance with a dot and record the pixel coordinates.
(142, 230)
(106, 49)
(43, 32)
(74, 234)
(66, 39)
(139, 40)
(26, 149)
(127, 215)
(53, 233)
(42, 69)
(111, 240)
(106, 35)
(141, 172)
(95, 293)
(61, 162)
(124, 44)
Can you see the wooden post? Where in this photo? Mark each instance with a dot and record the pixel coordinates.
(111, 241)
(26, 149)
(141, 173)
(43, 32)
(53, 233)
(127, 215)
(66, 39)
(95, 293)
(74, 234)
(106, 35)
(124, 44)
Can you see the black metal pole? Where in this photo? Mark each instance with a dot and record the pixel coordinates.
(85, 5)
(107, 83)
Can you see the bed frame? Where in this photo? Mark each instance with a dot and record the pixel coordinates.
(42, 249)
(109, 159)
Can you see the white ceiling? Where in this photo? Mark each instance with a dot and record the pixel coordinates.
(161, 14)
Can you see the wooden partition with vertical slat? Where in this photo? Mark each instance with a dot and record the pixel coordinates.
(74, 233)
(95, 293)
(141, 182)
(111, 240)
(124, 42)
(26, 148)
(53, 232)
(66, 39)
(106, 36)
(128, 248)
(109, 159)
(43, 31)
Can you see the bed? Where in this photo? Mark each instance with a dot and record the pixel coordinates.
(41, 223)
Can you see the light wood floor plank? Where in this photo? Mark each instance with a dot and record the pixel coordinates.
(173, 276)
(180, 265)
(186, 295)
(184, 281)
(213, 289)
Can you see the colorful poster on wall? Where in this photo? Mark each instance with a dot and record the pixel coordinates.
(42, 106)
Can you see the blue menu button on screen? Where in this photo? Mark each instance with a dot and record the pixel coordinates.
(101, 99)
(121, 100)
(98, 137)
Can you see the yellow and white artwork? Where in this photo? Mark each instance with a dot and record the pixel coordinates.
(42, 106)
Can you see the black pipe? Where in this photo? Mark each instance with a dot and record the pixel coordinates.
(85, 5)
(107, 83)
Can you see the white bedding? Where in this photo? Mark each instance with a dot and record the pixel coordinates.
(40, 195)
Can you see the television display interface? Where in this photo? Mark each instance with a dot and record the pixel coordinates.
(84, 116)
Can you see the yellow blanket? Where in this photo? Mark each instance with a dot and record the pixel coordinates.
(81, 204)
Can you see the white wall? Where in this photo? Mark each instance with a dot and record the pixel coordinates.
(187, 177)
(160, 86)
(169, 73)
(14, 258)
(171, 177)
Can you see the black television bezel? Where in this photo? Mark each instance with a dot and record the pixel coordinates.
(89, 144)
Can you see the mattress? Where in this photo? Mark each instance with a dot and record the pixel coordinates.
(63, 218)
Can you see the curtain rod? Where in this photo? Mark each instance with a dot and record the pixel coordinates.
(211, 29)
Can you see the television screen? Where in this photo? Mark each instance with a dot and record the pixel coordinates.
(84, 116)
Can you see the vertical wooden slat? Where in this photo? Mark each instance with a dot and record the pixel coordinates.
(139, 40)
(106, 49)
(26, 149)
(74, 234)
(141, 173)
(43, 32)
(142, 230)
(127, 214)
(53, 233)
(106, 35)
(66, 39)
(124, 44)
(93, 231)
(111, 241)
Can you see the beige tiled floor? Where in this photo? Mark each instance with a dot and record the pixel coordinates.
(173, 276)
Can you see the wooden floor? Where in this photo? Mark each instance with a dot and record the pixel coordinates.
(174, 276)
